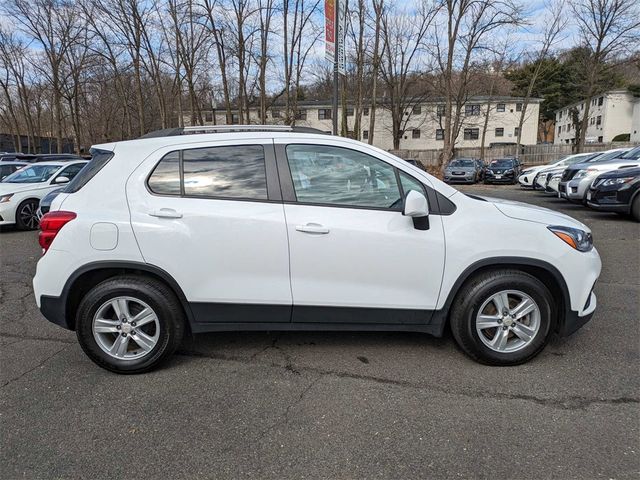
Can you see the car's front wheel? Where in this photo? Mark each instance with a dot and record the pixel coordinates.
(129, 324)
(502, 317)
(27, 215)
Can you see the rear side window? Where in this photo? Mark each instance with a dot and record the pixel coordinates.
(99, 158)
(212, 172)
(165, 179)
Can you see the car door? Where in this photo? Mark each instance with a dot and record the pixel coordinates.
(212, 218)
(354, 257)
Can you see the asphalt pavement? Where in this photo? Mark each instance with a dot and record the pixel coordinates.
(328, 405)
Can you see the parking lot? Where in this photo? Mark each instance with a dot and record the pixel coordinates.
(328, 405)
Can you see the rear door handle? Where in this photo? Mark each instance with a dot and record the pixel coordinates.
(165, 213)
(312, 228)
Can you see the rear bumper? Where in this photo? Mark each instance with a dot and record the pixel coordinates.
(54, 310)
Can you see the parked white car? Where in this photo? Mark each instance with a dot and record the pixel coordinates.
(544, 176)
(577, 178)
(280, 229)
(20, 192)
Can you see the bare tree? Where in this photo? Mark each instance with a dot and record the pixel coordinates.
(608, 28)
(555, 23)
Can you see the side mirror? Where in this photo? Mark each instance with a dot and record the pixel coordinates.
(61, 180)
(417, 207)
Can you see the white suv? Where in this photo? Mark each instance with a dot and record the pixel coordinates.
(281, 229)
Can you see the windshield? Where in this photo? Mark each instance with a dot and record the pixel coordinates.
(33, 174)
(632, 154)
(605, 156)
(503, 163)
(462, 163)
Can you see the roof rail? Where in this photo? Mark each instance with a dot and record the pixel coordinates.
(170, 132)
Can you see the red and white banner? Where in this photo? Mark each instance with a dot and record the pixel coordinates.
(335, 33)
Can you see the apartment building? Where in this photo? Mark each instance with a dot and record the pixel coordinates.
(610, 114)
(424, 122)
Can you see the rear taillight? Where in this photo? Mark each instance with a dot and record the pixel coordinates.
(50, 224)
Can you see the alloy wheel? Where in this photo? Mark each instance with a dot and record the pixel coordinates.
(29, 215)
(508, 321)
(126, 328)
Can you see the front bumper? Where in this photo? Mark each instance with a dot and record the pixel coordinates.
(573, 320)
(608, 200)
(7, 213)
(468, 178)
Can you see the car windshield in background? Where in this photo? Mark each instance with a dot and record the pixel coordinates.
(462, 163)
(501, 164)
(633, 154)
(33, 174)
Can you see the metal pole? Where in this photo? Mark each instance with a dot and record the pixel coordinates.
(334, 113)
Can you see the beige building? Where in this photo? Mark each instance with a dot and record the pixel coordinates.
(610, 114)
(424, 122)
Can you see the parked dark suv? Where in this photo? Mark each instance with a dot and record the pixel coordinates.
(503, 170)
(616, 191)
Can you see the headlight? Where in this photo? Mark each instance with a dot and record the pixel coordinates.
(6, 198)
(556, 175)
(574, 237)
(609, 182)
(584, 173)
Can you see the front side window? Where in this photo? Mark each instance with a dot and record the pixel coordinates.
(409, 183)
(221, 172)
(339, 176)
(71, 171)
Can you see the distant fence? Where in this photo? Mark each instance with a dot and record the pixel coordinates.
(529, 154)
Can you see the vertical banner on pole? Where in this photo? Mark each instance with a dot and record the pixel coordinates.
(329, 30)
(341, 31)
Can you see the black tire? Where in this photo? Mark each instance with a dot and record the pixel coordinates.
(157, 296)
(480, 288)
(635, 208)
(26, 215)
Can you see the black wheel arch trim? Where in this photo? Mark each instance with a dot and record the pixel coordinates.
(564, 311)
(59, 312)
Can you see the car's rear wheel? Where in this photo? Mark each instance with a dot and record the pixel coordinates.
(502, 317)
(129, 324)
(27, 215)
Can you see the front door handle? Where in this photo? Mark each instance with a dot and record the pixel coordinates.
(165, 213)
(312, 228)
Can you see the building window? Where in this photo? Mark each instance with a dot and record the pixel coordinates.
(349, 111)
(599, 120)
(365, 134)
(365, 111)
(417, 110)
(472, 109)
(559, 129)
(235, 119)
(600, 101)
(518, 107)
(471, 133)
(275, 113)
(592, 121)
(208, 116)
(582, 106)
(324, 114)
(440, 110)
(499, 132)
(415, 133)
(600, 139)
(440, 134)
(560, 115)
(500, 107)
(301, 115)
(516, 131)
